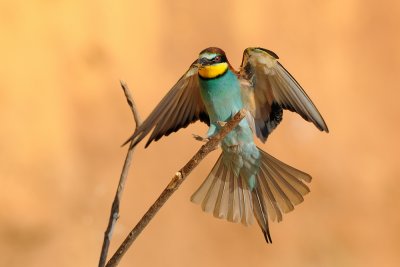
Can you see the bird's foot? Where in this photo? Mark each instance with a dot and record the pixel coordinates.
(221, 123)
(200, 138)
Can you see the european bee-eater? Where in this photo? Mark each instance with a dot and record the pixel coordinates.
(245, 181)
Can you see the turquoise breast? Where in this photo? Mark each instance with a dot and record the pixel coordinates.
(222, 98)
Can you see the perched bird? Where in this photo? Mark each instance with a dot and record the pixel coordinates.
(245, 182)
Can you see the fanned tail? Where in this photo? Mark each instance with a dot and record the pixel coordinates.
(279, 187)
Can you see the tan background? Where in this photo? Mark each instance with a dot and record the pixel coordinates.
(63, 117)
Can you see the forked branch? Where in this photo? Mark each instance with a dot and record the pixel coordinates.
(176, 181)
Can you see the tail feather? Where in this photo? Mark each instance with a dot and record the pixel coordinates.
(279, 187)
(272, 204)
(292, 195)
(234, 214)
(247, 204)
(260, 212)
(207, 189)
(283, 201)
(221, 206)
(291, 180)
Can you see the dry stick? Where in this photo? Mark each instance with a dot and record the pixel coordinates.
(176, 181)
(114, 215)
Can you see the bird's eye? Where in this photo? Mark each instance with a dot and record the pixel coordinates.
(217, 58)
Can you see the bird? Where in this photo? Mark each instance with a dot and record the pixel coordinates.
(245, 182)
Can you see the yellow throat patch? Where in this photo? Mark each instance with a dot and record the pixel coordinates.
(212, 71)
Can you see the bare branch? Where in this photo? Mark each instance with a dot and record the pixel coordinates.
(176, 181)
(114, 215)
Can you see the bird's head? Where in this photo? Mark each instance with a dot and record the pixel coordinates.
(212, 63)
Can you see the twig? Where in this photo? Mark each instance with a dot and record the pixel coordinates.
(114, 215)
(176, 181)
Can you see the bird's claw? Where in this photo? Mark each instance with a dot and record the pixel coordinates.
(221, 123)
(200, 138)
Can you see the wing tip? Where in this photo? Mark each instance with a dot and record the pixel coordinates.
(135, 139)
(269, 52)
(148, 143)
(127, 141)
(322, 126)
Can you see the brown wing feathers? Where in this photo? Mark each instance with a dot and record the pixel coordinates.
(181, 106)
(273, 88)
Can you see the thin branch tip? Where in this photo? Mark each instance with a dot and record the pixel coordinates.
(114, 214)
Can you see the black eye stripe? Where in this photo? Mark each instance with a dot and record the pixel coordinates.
(214, 60)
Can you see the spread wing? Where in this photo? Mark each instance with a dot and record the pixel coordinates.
(181, 106)
(267, 88)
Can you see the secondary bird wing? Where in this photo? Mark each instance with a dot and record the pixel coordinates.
(267, 88)
(181, 106)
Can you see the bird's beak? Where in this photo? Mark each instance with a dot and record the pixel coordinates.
(203, 62)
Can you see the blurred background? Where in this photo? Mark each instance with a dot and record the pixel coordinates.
(64, 117)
